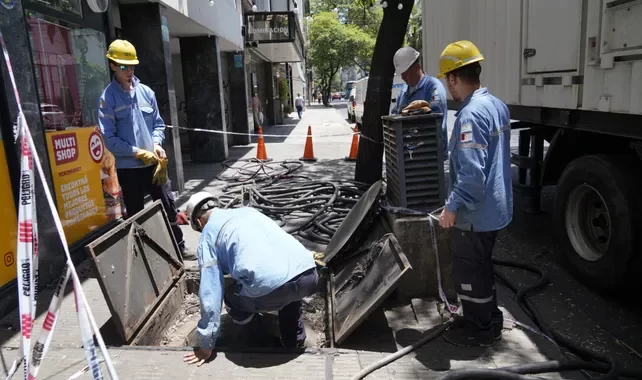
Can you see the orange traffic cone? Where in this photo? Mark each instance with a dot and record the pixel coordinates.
(261, 154)
(354, 148)
(308, 151)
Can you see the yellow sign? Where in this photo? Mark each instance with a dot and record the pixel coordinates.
(85, 182)
(8, 242)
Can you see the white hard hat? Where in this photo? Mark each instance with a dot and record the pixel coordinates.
(197, 203)
(404, 58)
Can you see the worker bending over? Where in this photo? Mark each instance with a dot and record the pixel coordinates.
(480, 202)
(420, 87)
(272, 270)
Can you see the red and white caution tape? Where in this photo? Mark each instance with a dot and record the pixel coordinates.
(27, 252)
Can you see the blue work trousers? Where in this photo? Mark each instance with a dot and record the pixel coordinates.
(286, 300)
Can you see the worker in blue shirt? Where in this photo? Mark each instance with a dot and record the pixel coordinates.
(133, 131)
(420, 87)
(271, 269)
(480, 201)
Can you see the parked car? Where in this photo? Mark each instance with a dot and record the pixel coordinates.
(336, 95)
(352, 104)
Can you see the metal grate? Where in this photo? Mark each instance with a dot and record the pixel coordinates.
(414, 161)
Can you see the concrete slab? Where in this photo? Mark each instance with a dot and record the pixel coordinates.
(155, 364)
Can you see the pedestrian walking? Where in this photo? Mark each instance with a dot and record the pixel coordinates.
(480, 202)
(420, 86)
(134, 131)
(271, 269)
(298, 103)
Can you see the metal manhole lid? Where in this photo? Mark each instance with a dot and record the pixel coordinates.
(352, 221)
(362, 283)
(137, 263)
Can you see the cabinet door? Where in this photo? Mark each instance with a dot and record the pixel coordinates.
(552, 35)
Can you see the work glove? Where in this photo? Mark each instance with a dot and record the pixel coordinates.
(147, 157)
(416, 107)
(160, 174)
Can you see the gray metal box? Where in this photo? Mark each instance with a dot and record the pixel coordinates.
(414, 161)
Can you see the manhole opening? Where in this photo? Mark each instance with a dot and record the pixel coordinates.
(174, 323)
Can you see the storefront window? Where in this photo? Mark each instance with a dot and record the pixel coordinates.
(71, 71)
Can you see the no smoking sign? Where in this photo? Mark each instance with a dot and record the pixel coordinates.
(96, 147)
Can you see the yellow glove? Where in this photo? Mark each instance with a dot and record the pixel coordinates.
(146, 156)
(160, 174)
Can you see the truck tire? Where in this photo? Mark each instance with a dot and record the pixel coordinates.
(597, 219)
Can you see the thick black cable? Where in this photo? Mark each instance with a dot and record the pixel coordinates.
(298, 204)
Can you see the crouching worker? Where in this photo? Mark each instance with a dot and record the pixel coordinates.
(272, 271)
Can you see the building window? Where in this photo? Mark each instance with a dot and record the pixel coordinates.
(71, 73)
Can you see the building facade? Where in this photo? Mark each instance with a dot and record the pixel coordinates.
(194, 54)
(275, 48)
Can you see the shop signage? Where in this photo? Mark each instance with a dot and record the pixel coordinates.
(8, 242)
(85, 182)
(269, 27)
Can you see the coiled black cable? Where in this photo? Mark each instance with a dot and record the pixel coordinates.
(311, 209)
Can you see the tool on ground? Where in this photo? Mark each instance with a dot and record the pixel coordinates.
(354, 148)
(261, 153)
(308, 152)
(417, 107)
(147, 157)
(160, 174)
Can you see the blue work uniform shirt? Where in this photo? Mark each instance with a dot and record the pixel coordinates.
(433, 91)
(129, 121)
(480, 169)
(254, 251)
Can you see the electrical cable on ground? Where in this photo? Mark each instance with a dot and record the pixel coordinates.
(311, 209)
(323, 205)
(590, 361)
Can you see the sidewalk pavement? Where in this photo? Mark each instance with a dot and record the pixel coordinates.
(385, 331)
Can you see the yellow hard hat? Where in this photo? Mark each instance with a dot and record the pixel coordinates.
(458, 54)
(123, 52)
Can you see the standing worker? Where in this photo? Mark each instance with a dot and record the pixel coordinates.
(272, 271)
(134, 131)
(420, 87)
(480, 202)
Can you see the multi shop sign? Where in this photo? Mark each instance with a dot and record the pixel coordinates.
(269, 27)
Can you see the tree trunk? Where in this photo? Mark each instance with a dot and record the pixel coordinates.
(389, 39)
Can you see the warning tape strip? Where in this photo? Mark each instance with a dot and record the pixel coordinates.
(295, 136)
(27, 254)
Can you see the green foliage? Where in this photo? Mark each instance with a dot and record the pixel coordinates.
(334, 45)
(284, 90)
(363, 20)
(414, 34)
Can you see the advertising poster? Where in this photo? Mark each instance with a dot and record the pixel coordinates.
(84, 178)
(8, 235)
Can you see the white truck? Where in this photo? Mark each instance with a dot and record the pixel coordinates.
(570, 72)
(360, 89)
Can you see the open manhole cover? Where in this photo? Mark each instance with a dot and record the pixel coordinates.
(356, 223)
(137, 264)
(361, 283)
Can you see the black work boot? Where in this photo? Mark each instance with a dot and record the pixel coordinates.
(466, 334)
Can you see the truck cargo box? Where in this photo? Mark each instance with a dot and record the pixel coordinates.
(570, 54)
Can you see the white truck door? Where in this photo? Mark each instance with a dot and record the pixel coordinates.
(552, 42)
